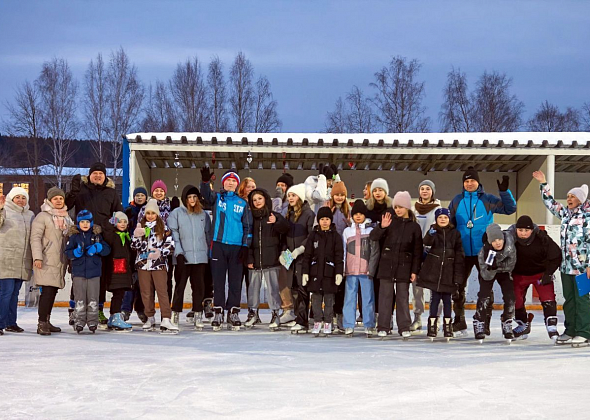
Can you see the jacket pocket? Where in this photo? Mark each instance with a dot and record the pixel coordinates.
(329, 269)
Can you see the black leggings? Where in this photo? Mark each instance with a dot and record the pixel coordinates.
(46, 301)
(117, 300)
(196, 273)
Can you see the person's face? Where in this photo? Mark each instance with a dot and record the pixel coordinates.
(442, 220)
(292, 198)
(258, 201)
(367, 192)
(282, 185)
(572, 201)
(20, 200)
(401, 211)
(192, 199)
(470, 185)
(498, 244)
(97, 177)
(230, 184)
(150, 216)
(325, 223)
(379, 194)
(358, 218)
(251, 186)
(58, 202)
(84, 225)
(159, 194)
(139, 198)
(122, 225)
(339, 198)
(425, 193)
(524, 233)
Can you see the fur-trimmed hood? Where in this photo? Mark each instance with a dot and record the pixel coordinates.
(108, 182)
(371, 202)
(96, 230)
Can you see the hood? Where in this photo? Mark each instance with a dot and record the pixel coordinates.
(108, 183)
(516, 239)
(16, 208)
(186, 191)
(74, 230)
(265, 194)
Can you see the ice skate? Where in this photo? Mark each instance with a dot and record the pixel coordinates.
(486, 326)
(175, 318)
(150, 324)
(349, 332)
(447, 329)
(460, 327)
(253, 318)
(523, 329)
(198, 321)
(507, 329)
(233, 319)
(317, 328)
(416, 326)
(208, 308)
(287, 317)
(370, 332)
(551, 325)
(142, 317)
(298, 329)
(274, 321)
(92, 328)
(338, 324)
(432, 327)
(579, 341)
(383, 334)
(406, 335)
(564, 339)
(217, 321)
(126, 315)
(479, 330)
(118, 324)
(190, 317)
(71, 316)
(78, 328)
(167, 327)
(327, 329)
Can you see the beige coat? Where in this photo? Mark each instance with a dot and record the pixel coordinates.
(16, 260)
(48, 245)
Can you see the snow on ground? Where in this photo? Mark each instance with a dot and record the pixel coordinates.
(257, 374)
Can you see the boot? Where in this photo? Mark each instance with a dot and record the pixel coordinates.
(233, 319)
(460, 324)
(15, 329)
(217, 319)
(43, 328)
(487, 322)
(551, 325)
(274, 321)
(478, 329)
(447, 328)
(119, 324)
(507, 327)
(52, 328)
(287, 316)
(432, 326)
(175, 318)
(417, 324)
(208, 308)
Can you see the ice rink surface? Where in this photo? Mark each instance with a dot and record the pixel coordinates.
(257, 374)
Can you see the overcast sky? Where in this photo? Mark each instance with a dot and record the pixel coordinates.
(313, 51)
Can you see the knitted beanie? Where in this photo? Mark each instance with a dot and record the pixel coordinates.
(98, 167)
(430, 184)
(85, 215)
(471, 173)
(402, 199)
(140, 190)
(17, 191)
(359, 207)
(339, 188)
(325, 212)
(494, 232)
(152, 206)
(287, 179)
(298, 190)
(380, 183)
(230, 174)
(443, 211)
(524, 222)
(159, 184)
(54, 192)
(581, 192)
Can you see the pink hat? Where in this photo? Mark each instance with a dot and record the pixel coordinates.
(159, 184)
(402, 199)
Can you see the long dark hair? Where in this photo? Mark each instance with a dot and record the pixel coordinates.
(160, 228)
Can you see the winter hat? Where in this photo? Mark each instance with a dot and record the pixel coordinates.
(54, 192)
(359, 207)
(230, 174)
(430, 184)
(338, 188)
(98, 167)
(298, 190)
(494, 232)
(525, 222)
(152, 205)
(325, 212)
(380, 183)
(140, 190)
(17, 191)
(85, 215)
(159, 184)
(120, 216)
(402, 199)
(287, 179)
(471, 173)
(443, 211)
(328, 172)
(581, 193)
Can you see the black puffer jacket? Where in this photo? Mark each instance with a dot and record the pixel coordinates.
(100, 200)
(119, 263)
(401, 252)
(266, 237)
(537, 254)
(444, 265)
(323, 259)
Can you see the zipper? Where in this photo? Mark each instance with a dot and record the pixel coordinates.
(470, 230)
(260, 244)
(442, 263)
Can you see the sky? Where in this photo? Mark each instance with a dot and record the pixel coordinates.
(313, 51)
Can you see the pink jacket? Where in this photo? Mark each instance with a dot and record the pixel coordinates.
(361, 255)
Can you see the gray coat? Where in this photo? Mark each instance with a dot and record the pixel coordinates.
(192, 234)
(16, 259)
(505, 259)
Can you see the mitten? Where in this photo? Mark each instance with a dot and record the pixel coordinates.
(432, 232)
(154, 254)
(279, 193)
(338, 279)
(546, 279)
(75, 184)
(206, 174)
(304, 279)
(79, 251)
(139, 231)
(94, 249)
(503, 186)
(298, 251)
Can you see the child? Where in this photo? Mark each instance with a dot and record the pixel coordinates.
(323, 265)
(280, 203)
(263, 258)
(361, 259)
(119, 271)
(401, 254)
(497, 259)
(442, 270)
(153, 242)
(85, 248)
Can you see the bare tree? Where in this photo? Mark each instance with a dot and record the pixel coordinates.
(190, 95)
(125, 99)
(585, 115)
(399, 97)
(58, 91)
(96, 107)
(353, 116)
(494, 108)
(548, 118)
(160, 115)
(337, 120)
(266, 118)
(456, 111)
(217, 96)
(241, 93)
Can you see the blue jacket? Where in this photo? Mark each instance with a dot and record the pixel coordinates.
(232, 219)
(86, 266)
(479, 208)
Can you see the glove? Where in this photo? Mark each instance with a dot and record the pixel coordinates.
(243, 255)
(338, 279)
(94, 249)
(279, 193)
(503, 186)
(546, 279)
(75, 184)
(138, 232)
(304, 279)
(154, 254)
(298, 251)
(432, 232)
(174, 203)
(206, 174)
(79, 251)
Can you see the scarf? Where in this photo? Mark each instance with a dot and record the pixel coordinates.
(61, 219)
(260, 213)
(425, 208)
(380, 208)
(123, 236)
(148, 228)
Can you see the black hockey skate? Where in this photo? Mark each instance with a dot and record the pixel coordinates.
(79, 328)
(142, 317)
(507, 329)
(523, 329)
(253, 318)
(432, 327)
(479, 330)
(486, 326)
(92, 328)
(190, 317)
(447, 329)
(71, 316)
(551, 325)
(233, 320)
(217, 319)
(208, 308)
(275, 322)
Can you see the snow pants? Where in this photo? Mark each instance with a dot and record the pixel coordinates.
(353, 285)
(391, 292)
(225, 262)
(270, 277)
(9, 289)
(196, 273)
(157, 280)
(485, 297)
(86, 295)
(327, 313)
(546, 295)
(576, 308)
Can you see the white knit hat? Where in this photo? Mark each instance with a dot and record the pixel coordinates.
(21, 191)
(581, 193)
(298, 190)
(152, 205)
(380, 183)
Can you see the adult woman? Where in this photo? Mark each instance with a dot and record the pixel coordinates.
(48, 241)
(16, 261)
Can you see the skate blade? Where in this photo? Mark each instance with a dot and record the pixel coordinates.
(508, 341)
(234, 328)
(462, 333)
(216, 329)
(190, 321)
(447, 339)
(480, 341)
(122, 330)
(578, 345)
(416, 332)
(273, 329)
(149, 329)
(169, 332)
(348, 335)
(199, 328)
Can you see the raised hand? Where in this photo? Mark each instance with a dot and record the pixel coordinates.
(386, 220)
(206, 174)
(75, 184)
(540, 176)
(503, 186)
(139, 231)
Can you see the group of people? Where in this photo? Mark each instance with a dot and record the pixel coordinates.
(320, 256)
